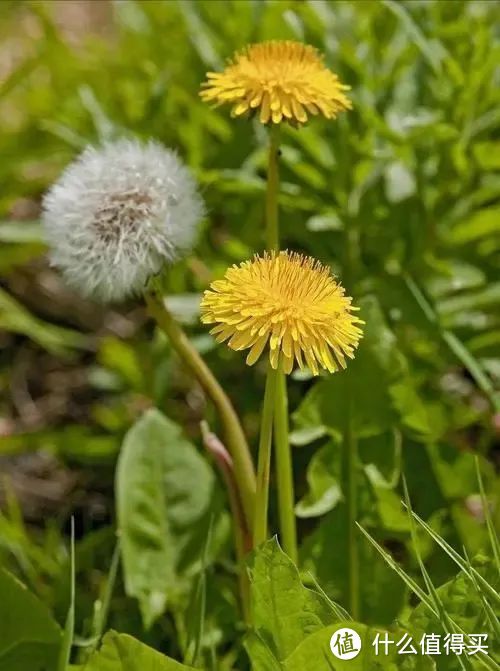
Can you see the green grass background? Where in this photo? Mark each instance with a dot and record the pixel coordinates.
(400, 196)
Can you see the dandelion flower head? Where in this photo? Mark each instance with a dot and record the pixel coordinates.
(117, 214)
(283, 80)
(288, 302)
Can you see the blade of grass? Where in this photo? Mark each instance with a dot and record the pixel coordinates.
(415, 588)
(69, 629)
(204, 42)
(14, 521)
(448, 624)
(339, 612)
(412, 28)
(196, 634)
(488, 610)
(443, 616)
(454, 344)
(103, 605)
(458, 559)
(489, 663)
(495, 544)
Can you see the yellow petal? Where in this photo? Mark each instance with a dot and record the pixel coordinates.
(265, 110)
(256, 351)
(274, 357)
(298, 111)
(287, 364)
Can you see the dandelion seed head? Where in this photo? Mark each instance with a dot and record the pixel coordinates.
(282, 80)
(289, 303)
(117, 214)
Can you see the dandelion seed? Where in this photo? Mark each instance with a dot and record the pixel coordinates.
(284, 80)
(117, 214)
(288, 302)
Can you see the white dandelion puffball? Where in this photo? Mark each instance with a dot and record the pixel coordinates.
(117, 214)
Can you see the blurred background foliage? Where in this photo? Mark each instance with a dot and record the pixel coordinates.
(401, 197)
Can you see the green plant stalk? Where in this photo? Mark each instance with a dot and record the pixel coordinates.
(350, 461)
(264, 461)
(284, 465)
(101, 615)
(242, 535)
(234, 438)
(68, 637)
(350, 458)
(272, 191)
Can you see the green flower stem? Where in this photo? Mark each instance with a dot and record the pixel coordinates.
(234, 438)
(350, 458)
(350, 461)
(264, 462)
(242, 537)
(273, 185)
(284, 468)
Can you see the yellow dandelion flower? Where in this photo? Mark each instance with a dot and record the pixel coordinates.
(290, 302)
(285, 80)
